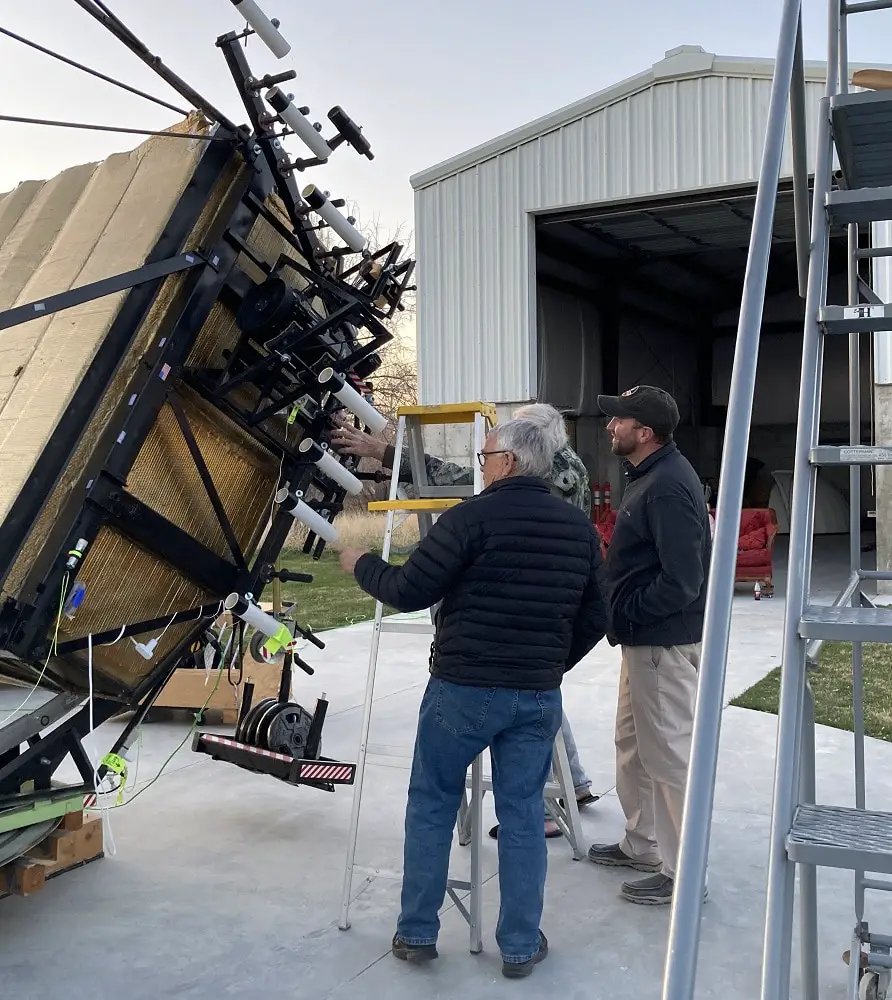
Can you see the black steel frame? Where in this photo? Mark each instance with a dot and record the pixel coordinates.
(101, 497)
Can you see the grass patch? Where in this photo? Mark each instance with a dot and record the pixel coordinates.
(832, 685)
(333, 598)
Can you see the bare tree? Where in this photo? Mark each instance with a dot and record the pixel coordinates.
(395, 383)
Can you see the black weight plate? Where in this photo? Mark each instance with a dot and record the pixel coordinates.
(250, 729)
(263, 726)
(241, 729)
(288, 730)
(259, 739)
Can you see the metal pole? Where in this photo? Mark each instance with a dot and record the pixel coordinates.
(808, 874)
(781, 871)
(798, 119)
(344, 922)
(842, 52)
(854, 411)
(681, 958)
(476, 901)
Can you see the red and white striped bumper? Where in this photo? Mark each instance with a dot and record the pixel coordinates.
(294, 771)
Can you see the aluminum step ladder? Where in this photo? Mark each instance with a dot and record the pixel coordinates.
(857, 127)
(560, 796)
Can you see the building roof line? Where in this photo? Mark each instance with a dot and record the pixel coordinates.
(687, 62)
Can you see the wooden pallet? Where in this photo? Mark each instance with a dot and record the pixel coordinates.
(188, 689)
(75, 842)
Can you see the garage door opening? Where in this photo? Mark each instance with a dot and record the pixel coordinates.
(649, 292)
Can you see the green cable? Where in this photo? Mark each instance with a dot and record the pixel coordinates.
(176, 749)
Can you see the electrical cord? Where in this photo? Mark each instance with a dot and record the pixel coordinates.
(114, 128)
(108, 19)
(53, 647)
(197, 715)
(92, 72)
(176, 750)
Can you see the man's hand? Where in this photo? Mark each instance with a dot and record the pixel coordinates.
(349, 558)
(348, 440)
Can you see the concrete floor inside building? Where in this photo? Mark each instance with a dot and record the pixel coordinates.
(227, 884)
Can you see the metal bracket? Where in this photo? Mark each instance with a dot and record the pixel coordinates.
(99, 289)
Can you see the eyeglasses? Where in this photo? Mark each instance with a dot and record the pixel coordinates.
(483, 455)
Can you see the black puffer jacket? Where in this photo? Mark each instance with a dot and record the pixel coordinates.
(518, 572)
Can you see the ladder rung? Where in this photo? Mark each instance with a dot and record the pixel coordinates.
(448, 413)
(551, 789)
(846, 624)
(838, 837)
(861, 132)
(431, 503)
(862, 6)
(448, 492)
(851, 455)
(462, 885)
(418, 628)
(880, 885)
(855, 319)
(860, 205)
(386, 752)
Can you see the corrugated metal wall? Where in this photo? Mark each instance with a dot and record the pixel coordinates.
(474, 234)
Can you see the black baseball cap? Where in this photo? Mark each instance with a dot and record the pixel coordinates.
(650, 406)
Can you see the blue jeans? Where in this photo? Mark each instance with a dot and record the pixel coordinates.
(581, 781)
(455, 724)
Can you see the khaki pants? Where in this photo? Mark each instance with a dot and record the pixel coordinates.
(654, 719)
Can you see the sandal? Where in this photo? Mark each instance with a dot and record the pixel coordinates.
(549, 834)
(586, 800)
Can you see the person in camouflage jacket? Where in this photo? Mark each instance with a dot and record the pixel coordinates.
(569, 480)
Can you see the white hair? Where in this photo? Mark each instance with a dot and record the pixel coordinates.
(531, 444)
(548, 418)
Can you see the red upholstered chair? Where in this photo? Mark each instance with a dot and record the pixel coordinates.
(755, 544)
(604, 526)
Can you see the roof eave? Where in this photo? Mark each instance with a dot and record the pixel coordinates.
(692, 66)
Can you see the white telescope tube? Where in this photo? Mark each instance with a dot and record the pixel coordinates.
(330, 466)
(306, 515)
(326, 211)
(301, 125)
(252, 615)
(330, 380)
(267, 32)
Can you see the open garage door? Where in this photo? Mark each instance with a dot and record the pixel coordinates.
(648, 291)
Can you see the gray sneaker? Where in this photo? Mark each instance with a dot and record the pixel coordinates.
(655, 890)
(613, 856)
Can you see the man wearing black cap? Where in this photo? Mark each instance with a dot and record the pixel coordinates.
(656, 573)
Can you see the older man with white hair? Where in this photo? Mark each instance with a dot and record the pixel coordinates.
(517, 572)
(567, 478)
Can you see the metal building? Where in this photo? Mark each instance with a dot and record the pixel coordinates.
(604, 246)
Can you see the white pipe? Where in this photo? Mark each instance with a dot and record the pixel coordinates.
(253, 615)
(881, 236)
(331, 467)
(267, 32)
(320, 204)
(354, 402)
(303, 128)
(307, 516)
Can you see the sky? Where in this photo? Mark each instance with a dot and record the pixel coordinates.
(426, 80)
